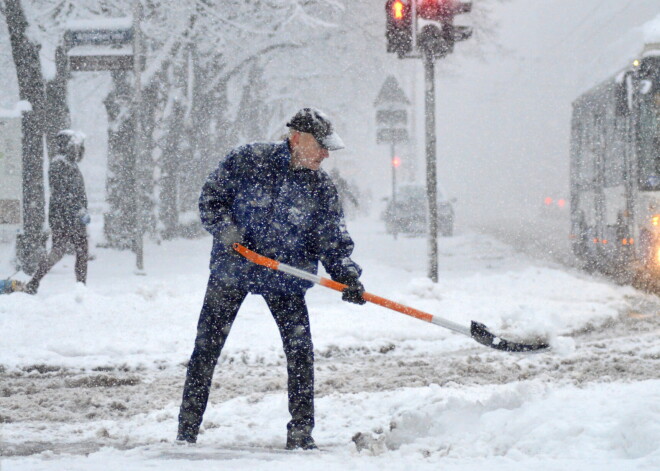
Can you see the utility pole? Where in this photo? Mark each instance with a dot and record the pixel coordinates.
(138, 226)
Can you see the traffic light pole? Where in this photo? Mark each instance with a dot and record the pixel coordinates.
(434, 40)
(393, 165)
(431, 172)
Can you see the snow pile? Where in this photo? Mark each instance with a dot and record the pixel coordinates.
(523, 421)
(97, 370)
(77, 138)
(512, 426)
(651, 30)
(20, 108)
(101, 23)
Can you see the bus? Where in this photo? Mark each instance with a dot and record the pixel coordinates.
(615, 170)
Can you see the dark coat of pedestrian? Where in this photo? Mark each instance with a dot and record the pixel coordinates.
(67, 211)
(276, 200)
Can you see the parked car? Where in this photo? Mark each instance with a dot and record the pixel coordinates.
(408, 214)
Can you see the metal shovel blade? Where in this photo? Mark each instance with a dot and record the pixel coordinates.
(481, 334)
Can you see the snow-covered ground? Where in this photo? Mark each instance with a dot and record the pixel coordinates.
(91, 377)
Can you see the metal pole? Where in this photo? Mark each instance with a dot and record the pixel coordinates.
(394, 209)
(415, 164)
(138, 247)
(633, 156)
(431, 175)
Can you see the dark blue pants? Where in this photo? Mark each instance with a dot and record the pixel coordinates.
(221, 305)
(62, 238)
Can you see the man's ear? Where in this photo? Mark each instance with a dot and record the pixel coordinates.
(294, 139)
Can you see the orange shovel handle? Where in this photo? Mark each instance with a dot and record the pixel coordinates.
(477, 331)
(328, 283)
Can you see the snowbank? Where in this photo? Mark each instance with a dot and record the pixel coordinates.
(93, 374)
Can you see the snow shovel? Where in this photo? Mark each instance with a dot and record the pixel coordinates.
(477, 331)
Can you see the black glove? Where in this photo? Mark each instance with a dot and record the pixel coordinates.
(353, 293)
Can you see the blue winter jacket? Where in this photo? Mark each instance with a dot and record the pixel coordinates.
(291, 215)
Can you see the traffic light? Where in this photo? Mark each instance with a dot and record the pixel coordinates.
(435, 41)
(396, 161)
(437, 35)
(439, 39)
(442, 10)
(399, 26)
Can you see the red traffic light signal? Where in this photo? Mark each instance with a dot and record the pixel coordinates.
(442, 10)
(396, 162)
(399, 26)
(398, 10)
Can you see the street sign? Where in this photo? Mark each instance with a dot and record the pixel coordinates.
(391, 93)
(391, 113)
(85, 60)
(391, 135)
(392, 117)
(98, 37)
(104, 44)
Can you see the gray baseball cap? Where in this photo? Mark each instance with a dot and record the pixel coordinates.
(317, 123)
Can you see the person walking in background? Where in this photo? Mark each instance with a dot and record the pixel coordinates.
(276, 200)
(67, 211)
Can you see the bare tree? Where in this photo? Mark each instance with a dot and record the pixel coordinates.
(219, 72)
(32, 243)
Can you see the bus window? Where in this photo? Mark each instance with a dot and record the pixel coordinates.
(649, 141)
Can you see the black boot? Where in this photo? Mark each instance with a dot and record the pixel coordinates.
(31, 287)
(300, 441)
(186, 434)
(185, 438)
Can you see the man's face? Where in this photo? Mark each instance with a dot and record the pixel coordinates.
(306, 151)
